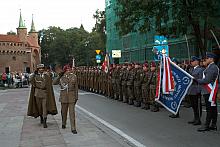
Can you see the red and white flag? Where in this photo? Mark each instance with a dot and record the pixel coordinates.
(105, 64)
(212, 89)
(168, 82)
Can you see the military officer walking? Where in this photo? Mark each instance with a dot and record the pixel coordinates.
(42, 100)
(68, 95)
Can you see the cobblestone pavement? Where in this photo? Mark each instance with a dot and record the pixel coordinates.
(17, 129)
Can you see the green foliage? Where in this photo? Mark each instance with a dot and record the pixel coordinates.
(168, 17)
(59, 46)
(100, 26)
(11, 33)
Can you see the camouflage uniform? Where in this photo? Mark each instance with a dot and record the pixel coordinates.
(123, 75)
(145, 89)
(137, 86)
(153, 82)
(130, 86)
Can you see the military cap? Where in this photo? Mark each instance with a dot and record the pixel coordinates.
(211, 55)
(145, 64)
(195, 58)
(66, 67)
(40, 66)
(153, 64)
(129, 64)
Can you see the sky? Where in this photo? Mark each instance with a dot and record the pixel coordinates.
(62, 13)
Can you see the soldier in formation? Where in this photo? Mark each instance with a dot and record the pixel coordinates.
(130, 83)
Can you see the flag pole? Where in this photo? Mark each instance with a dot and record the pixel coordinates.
(187, 44)
(73, 65)
(215, 38)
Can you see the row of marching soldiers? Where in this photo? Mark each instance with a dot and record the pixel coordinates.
(130, 83)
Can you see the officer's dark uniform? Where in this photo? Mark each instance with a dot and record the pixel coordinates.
(210, 75)
(194, 92)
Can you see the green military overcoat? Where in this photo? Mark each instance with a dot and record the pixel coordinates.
(51, 104)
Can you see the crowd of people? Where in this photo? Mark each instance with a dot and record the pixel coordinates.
(14, 79)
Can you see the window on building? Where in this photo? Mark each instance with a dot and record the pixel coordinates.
(14, 44)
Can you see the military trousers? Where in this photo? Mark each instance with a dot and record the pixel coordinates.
(130, 89)
(119, 91)
(64, 109)
(42, 106)
(124, 92)
(212, 113)
(145, 95)
(196, 106)
(152, 94)
(137, 93)
(114, 89)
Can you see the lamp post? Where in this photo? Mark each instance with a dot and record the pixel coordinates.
(86, 45)
(46, 55)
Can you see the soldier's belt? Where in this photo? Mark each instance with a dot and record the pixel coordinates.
(41, 88)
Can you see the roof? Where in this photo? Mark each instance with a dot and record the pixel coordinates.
(9, 38)
(15, 39)
(32, 42)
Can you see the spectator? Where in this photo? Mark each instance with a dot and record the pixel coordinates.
(4, 78)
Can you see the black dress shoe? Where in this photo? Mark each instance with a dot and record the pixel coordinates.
(213, 127)
(74, 131)
(63, 127)
(174, 116)
(191, 122)
(203, 129)
(196, 123)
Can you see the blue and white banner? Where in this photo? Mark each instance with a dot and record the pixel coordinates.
(182, 82)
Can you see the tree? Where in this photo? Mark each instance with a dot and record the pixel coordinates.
(168, 17)
(100, 26)
(11, 33)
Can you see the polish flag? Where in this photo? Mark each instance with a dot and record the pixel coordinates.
(168, 82)
(105, 64)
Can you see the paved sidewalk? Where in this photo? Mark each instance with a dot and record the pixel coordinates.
(16, 129)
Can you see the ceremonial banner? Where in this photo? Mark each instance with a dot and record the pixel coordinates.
(182, 81)
(105, 64)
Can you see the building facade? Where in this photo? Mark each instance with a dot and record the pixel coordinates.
(137, 47)
(20, 52)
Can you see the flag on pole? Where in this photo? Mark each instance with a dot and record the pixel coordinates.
(172, 86)
(105, 64)
(168, 83)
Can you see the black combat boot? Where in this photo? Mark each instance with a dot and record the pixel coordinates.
(147, 107)
(130, 102)
(137, 103)
(197, 121)
(74, 131)
(203, 128)
(125, 100)
(41, 120)
(213, 127)
(45, 122)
